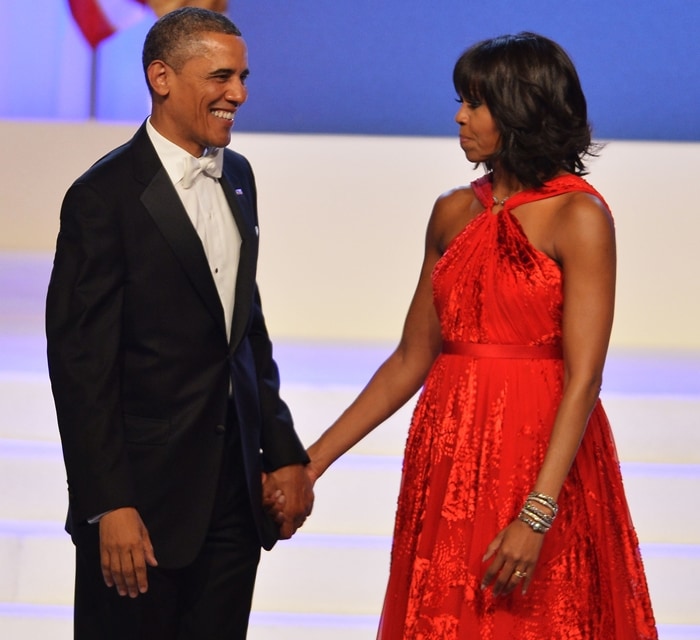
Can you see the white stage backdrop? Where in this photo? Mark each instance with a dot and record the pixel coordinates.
(343, 220)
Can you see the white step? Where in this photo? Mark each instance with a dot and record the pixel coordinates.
(26, 407)
(662, 499)
(37, 562)
(56, 623)
(313, 573)
(672, 574)
(32, 622)
(35, 481)
(655, 428)
(324, 574)
(28, 622)
(348, 576)
(358, 493)
(647, 428)
(678, 632)
(295, 626)
(316, 407)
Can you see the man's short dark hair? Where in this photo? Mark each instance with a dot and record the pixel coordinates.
(172, 38)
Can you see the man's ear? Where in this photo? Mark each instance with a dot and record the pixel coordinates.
(158, 74)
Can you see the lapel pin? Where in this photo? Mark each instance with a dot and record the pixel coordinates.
(239, 192)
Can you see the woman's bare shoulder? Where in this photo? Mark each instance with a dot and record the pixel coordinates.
(580, 209)
(581, 221)
(453, 210)
(456, 198)
(457, 203)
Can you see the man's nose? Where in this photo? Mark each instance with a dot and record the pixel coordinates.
(236, 92)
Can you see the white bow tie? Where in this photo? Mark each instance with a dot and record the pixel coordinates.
(210, 165)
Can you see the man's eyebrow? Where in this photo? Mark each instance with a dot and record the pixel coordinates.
(223, 71)
(226, 71)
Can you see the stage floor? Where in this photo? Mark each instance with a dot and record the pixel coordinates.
(652, 397)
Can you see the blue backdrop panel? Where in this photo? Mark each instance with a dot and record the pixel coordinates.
(374, 67)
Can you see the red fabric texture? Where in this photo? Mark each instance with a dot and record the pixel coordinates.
(91, 20)
(477, 440)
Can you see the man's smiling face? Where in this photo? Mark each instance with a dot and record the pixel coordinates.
(201, 98)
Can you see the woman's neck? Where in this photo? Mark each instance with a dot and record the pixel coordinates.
(504, 185)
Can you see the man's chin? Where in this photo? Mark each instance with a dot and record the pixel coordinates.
(221, 141)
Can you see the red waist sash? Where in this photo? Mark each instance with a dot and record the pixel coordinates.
(478, 350)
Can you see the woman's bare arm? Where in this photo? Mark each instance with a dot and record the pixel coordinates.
(583, 242)
(403, 373)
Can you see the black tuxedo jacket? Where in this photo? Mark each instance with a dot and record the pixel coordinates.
(139, 359)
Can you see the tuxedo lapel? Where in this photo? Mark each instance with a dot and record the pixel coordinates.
(165, 207)
(245, 280)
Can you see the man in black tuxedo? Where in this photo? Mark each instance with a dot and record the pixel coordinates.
(166, 391)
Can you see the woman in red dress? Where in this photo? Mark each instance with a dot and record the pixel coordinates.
(512, 520)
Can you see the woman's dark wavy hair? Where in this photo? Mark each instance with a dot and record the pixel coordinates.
(533, 92)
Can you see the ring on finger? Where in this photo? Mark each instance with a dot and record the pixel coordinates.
(519, 574)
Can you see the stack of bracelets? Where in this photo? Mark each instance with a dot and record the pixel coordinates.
(535, 518)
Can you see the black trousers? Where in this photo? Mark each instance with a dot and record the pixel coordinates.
(207, 600)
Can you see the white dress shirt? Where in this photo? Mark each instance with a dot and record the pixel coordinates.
(210, 214)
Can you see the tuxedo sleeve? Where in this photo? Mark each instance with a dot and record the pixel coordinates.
(83, 329)
(279, 441)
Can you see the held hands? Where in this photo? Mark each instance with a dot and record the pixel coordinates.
(125, 550)
(288, 497)
(515, 551)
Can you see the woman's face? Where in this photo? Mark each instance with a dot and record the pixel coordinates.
(478, 135)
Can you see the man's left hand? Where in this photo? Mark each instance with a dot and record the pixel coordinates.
(288, 496)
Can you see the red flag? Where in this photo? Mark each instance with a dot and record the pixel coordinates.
(99, 19)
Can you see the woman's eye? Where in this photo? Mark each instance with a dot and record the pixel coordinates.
(471, 103)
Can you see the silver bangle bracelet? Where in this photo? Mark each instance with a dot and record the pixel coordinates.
(535, 526)
(545, 501)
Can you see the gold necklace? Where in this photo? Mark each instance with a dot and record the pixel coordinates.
(500, 203)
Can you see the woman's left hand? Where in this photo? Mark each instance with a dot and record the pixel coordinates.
(514, 551)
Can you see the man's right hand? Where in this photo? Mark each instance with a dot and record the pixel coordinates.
(125, 550)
